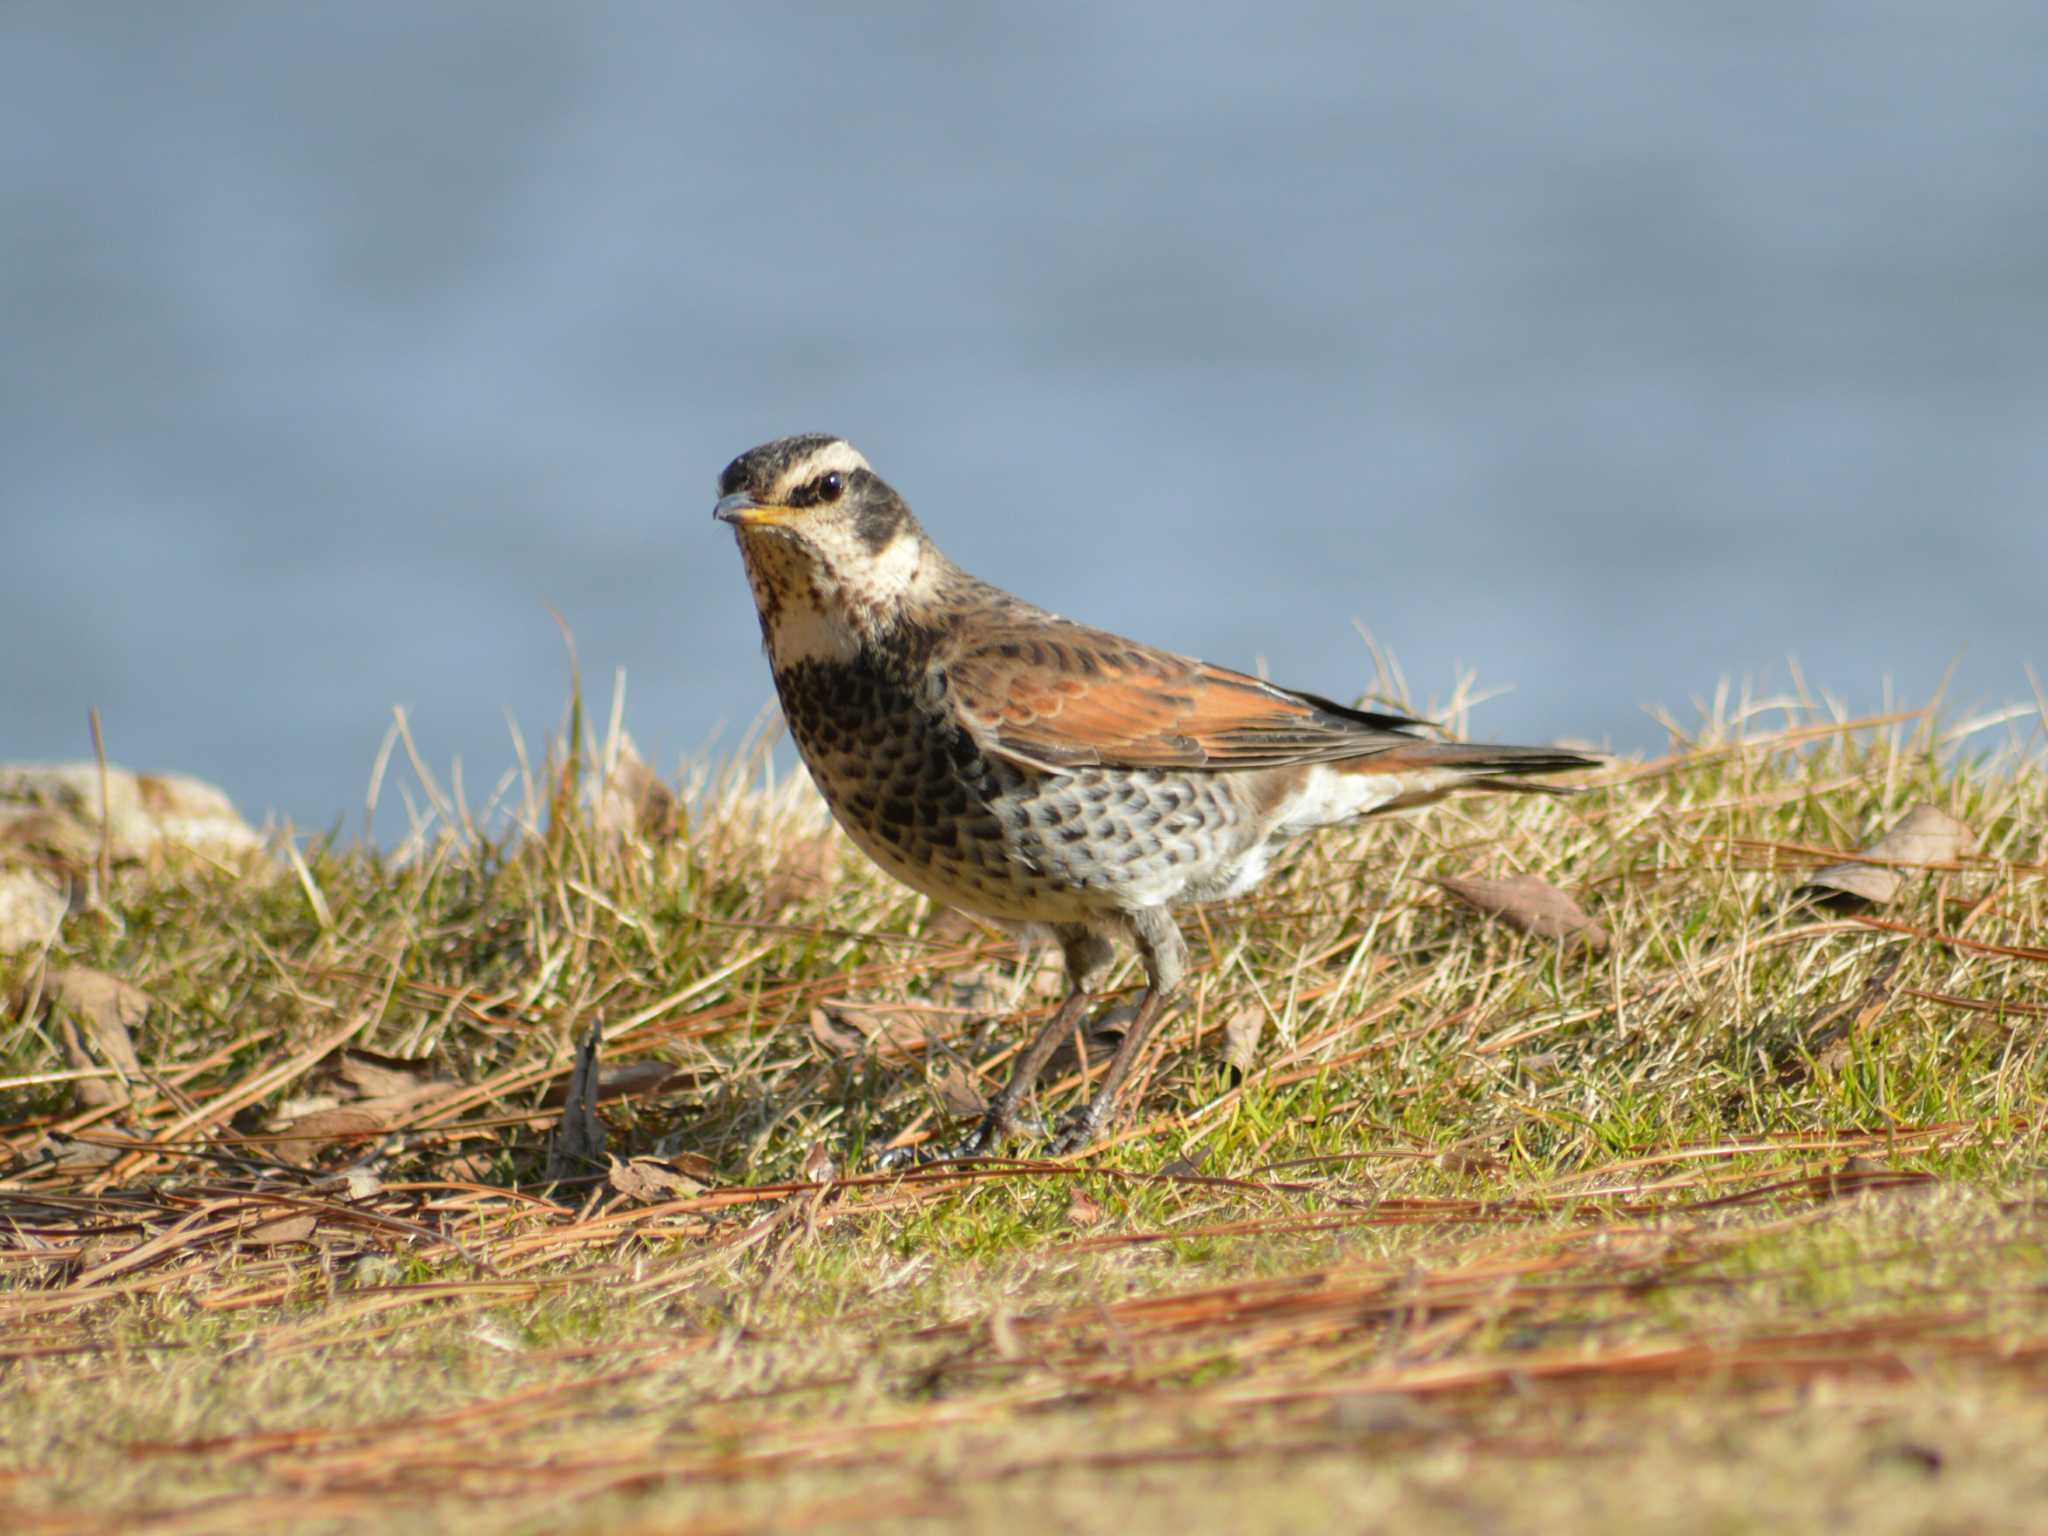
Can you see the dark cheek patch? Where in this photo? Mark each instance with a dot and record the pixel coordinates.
(877, 525)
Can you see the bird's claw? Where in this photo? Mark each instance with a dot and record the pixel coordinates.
(1076, 1128)
(995, 1127)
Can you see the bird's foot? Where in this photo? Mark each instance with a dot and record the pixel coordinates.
(997, 1126)
(1076, 1128)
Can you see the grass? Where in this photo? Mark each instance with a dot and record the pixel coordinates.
(1735, 1223)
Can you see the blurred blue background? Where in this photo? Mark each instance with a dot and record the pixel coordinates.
(1608, 348)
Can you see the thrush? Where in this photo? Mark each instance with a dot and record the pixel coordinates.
(1037, 772)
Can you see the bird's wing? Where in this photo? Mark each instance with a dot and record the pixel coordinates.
(1059, 695)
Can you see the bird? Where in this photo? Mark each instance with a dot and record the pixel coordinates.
(1057, 779)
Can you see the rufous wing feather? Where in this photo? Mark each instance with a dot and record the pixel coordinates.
(1059, 695)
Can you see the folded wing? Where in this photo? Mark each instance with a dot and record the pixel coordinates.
(1061, 696)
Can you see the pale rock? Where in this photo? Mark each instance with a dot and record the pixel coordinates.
(57, 805)
(30, 910)
(50, 825)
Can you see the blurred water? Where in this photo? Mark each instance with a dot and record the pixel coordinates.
(1605, 347)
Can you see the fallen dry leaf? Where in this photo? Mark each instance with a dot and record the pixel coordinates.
(694, 1165)
(283, 1229)
(651, 1180)
(1532, 905)
(364, 1094)
(955, 1088)
(68, 1152)
(1923, 835)
(107, 1008)
(374, 1075)
(344, 1123)
(1241, 1038)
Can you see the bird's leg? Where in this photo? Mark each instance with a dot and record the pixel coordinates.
(1077, 1127)
(1165, 955)
(1087, 956)
(1000, 1120)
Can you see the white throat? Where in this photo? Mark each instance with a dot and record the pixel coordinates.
(803, 629)
(822, 605)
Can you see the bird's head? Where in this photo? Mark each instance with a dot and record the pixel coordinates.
(832, 552)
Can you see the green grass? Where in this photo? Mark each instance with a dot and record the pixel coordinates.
(1735, 1224)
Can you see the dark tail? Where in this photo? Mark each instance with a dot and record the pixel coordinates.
(1480, 767)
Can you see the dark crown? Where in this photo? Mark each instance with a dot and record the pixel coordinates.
(759, 470)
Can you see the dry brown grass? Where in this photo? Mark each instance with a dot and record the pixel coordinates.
(1739, 1216)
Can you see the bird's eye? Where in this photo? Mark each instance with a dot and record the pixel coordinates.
(831, 487)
